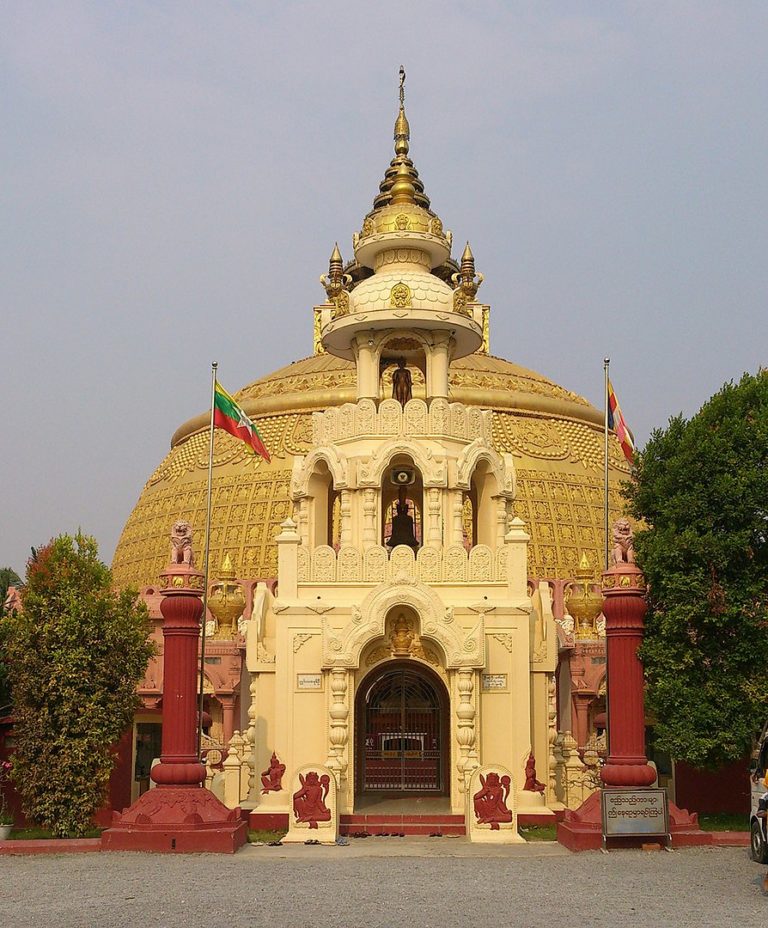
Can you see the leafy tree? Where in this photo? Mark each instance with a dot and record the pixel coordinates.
(702, 490)
(75, 655)
(8, 577)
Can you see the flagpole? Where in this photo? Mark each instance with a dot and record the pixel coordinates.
(606, 365)
(206, 563)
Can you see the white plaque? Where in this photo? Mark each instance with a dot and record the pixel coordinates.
(309, 681)
(634, 812)
(494, 681)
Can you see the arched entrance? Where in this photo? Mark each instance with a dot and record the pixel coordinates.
(402, 731)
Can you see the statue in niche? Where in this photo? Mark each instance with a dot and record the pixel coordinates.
(402, 383)
(490, 802)
(531, 783)
(181, 543)
(272, 778)
(623, 543)
(309, 800)
(402, 525)
(402, 636)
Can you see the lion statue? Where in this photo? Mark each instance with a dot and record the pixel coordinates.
(623, 545)
(181, 543)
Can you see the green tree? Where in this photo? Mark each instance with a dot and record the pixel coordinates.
(701, 489)
(75, 655)
(8, 577)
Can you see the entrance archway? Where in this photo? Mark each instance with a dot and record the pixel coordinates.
(402, 731)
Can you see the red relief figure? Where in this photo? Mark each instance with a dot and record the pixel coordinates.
(491, 801)
(531, 783)
(272, 778)
(309, 801)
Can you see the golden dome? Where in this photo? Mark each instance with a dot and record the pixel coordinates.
(554, 435)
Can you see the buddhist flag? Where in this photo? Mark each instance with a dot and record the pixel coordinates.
(619, 426)
(229, 416)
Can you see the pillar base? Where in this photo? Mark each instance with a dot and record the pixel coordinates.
(177, 820)
(582, 829)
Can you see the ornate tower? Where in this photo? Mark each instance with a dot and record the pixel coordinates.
(407, 655)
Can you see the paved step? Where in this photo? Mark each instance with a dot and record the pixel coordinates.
(423, 825)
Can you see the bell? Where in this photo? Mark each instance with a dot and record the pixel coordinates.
(402, 528)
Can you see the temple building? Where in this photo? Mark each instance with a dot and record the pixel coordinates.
(405, 595)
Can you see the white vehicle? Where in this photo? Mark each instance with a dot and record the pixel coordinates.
(758, 845)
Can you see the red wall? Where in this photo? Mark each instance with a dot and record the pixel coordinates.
(723, 790)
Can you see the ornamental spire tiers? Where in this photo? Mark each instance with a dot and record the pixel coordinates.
(397, 295)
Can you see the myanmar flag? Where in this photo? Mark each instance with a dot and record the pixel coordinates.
(617, 423)
(229, 416)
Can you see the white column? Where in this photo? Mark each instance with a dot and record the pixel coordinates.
(369, 518)
(346, 518)
(435, 535)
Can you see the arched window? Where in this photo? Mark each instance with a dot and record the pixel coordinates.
(322, 505)
(402, 504)
(483, 490)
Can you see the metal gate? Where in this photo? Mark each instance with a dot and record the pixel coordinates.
(401, 751)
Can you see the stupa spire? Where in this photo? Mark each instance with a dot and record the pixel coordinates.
(402, 129)
(401, 170)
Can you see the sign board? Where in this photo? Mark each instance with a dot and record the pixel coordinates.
(494, 681)
(309, 681)
(634, 812)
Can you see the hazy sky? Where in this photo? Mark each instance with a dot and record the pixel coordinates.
(174, 176)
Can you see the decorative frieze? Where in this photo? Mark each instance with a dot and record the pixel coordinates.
(417, 418)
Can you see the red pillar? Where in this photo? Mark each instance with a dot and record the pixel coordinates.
(180, 815)
(181, 608)
(227, 717)
(624, 609)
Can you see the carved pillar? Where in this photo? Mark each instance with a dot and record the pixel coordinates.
(457, 508)
(369, 518)
(581, 702)
(303, 519)
(287, 559)
(182, 607)
(367, 368)
(552, 737)
(434, 537)
(339, 733)
(250, 737)
(624, 609)
(501, 520)
(465, 730)
(346, 518)
(228, 716)
(438, 361)
(517, 540)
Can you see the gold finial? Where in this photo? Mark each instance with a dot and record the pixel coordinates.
(402, 129)
(336, 282)
(466, 282)
(403, 190)
(227, 570)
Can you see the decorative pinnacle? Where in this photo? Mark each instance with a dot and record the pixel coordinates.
(227, 570)
(468, 262)
(403, 190)
(402, 129)
(336, 262)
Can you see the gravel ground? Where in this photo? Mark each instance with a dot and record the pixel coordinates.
(383, 885)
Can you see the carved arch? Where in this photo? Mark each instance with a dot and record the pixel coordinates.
(479, 451)
(337, 465)
(460, 649)
(434, 471)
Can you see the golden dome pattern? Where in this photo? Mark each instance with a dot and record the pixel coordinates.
(402, 257)
(554, 436)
